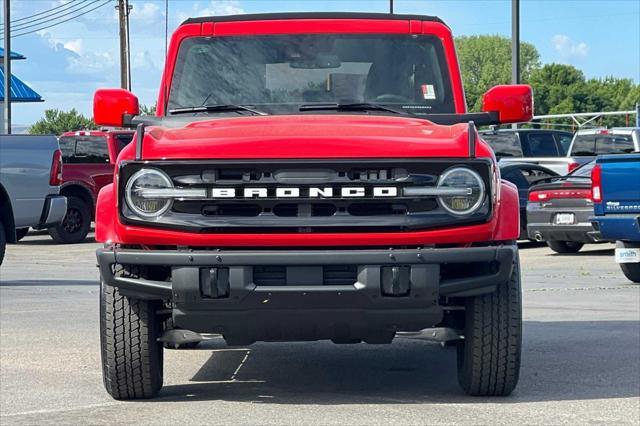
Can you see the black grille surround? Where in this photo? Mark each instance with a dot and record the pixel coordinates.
(303, 214)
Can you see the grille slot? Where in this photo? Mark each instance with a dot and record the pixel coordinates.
(331, 275)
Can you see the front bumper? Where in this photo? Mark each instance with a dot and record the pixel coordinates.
(55, 207)
(304, 309)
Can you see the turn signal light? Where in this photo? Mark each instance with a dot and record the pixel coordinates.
(55, 177)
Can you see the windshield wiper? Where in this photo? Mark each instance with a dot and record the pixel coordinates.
(358, 106)
(216, 108)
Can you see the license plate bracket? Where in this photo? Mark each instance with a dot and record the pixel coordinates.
(628, 255)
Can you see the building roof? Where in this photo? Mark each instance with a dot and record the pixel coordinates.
(20, 92)
(14, 55)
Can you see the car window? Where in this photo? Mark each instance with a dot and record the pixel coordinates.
(584, 145)
(564, 142)
(584, 171)
(84, 149)
(68, 148)
(534, 175)
(540, 145)
(614, 144)
(503, 144)
(122, 140)
(516, 177)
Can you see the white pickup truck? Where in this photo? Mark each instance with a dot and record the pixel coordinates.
(30, 174)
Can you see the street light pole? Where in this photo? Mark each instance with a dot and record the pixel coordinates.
(7, 68)
(391, 7)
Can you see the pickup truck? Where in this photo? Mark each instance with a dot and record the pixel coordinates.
(615, 188)
(309, 176)
(30, 174)
(544, 147)
(88, 158)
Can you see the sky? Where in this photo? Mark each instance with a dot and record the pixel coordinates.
(68, 62)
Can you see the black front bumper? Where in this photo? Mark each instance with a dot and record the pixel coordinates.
(306, 309)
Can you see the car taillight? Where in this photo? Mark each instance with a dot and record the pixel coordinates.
(55, 178)
(596, 184)
(551, 194)
(572, 166)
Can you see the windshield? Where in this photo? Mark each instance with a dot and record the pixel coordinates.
(281, 72)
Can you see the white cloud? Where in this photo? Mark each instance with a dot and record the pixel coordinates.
(567, 48)
(74, 46)
(146, 13)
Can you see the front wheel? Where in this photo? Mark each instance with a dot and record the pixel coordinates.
(564, 247)
(3, 242)
(489, 354)
(132, 357)
(75, 225)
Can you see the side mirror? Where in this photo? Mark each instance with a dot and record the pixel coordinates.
(114, 107)
(513, 103)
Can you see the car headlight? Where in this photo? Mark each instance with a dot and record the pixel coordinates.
(468, 201)
(145, 190)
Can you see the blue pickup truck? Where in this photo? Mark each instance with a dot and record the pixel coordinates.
(615, 189)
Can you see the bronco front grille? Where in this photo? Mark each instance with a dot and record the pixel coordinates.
(307, 196)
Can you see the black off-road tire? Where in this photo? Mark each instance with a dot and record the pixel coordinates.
(3, 242)
(631, 271)
(489, 355)
(564, 247)
(132, 357)
(76, 223)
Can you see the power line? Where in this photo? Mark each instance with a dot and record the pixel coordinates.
(63, 5)
(47, 19)
(61, 22)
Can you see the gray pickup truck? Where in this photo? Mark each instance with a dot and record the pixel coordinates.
(30, 174)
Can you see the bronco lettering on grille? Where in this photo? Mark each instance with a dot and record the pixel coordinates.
(309, 192)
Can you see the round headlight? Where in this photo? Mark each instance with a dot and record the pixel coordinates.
(461, 178)
(139, 192)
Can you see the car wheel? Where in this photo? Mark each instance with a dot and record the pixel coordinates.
(631, 271)
(565, 246)
(75, 225)
(132, 357)
(3, 242)
(489, 354)
(21, 233)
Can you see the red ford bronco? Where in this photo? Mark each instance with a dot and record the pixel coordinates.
(89, 158)
(309, 176)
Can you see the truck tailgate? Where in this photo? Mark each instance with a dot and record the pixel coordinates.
(621, 183)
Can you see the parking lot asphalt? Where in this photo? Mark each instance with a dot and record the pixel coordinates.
(581, 357)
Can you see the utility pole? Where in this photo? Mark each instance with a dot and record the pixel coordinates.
(125, 57)
(391, 7)
(515, 45)
(515, 41)
(7, 68)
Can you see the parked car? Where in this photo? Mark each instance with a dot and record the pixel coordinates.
(523, 175)
(88, 158)
(264, 207)
(616, 195)
(558, 211)
(589, 143)
(30, 175)
(547, 148)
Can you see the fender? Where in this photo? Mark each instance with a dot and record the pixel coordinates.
(91, 190)
(508, 218)
(106, 213)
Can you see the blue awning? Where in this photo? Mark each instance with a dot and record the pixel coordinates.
(14, 55)
(20, 92)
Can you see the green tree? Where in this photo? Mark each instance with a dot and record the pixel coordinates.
(148, 110)
(485, 61)
(57, 122)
